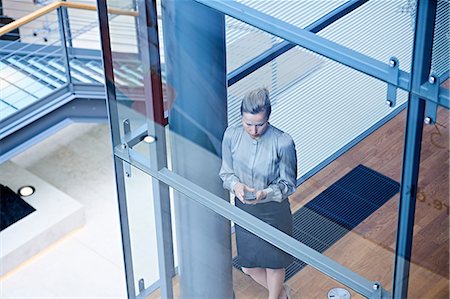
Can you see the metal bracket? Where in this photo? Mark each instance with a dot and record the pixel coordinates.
(377, 291)
(391, 97)
(125, 147)
(431, 107)
(141, 285)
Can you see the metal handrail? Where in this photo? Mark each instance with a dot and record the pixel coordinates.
(55, 5)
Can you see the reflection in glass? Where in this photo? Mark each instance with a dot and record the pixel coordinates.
(430, 251)
(140, 206)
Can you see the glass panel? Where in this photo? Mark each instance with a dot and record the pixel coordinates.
(349, 144)
(337, 117)
(439, 60)
(352, 203)
(245, 42)
(430, 252)
(320, 103)
(299, 13)
(379, 29)
(446, 85)
(83, 26)
(128, 69)
(205, 241)
(141, 217)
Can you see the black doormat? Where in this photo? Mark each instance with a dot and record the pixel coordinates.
(12, 207)
(337, 210)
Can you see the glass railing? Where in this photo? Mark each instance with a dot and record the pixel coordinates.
(53, 49)
(349, 146)
(430, 261)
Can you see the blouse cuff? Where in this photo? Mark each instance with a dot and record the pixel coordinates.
(273, 194)
(269, 191)
(232, 185)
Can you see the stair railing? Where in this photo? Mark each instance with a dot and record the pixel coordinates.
(17, 54)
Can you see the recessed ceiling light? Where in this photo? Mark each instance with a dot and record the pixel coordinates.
(26, 191)
(149, 139)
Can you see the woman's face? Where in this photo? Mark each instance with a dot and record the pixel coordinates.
(255, 124)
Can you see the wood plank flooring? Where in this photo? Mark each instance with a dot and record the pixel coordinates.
(369, 248)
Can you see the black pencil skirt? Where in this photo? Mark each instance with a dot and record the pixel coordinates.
(253, 251)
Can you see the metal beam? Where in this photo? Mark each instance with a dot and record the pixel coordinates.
(420, 70)
(113, 115)
(320, 45)
(277, 50)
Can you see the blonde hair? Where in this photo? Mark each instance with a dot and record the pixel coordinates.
(256, 101)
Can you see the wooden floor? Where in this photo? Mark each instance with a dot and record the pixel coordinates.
(369, 248)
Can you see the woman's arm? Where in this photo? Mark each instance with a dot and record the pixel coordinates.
(286, 183)
(226, 171)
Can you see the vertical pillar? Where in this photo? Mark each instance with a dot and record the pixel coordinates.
(420, 70)
(194, 39)
(113, 117)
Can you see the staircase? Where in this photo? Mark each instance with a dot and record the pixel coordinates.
(45, 81)
(28, 77)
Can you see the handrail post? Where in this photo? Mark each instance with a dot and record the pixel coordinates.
(67, 25)
(64, 48)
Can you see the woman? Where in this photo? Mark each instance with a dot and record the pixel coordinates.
(259, 166)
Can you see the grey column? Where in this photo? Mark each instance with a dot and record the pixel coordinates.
(194, 39)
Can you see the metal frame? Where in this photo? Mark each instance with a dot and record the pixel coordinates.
(149, 50)
(420, 70)
(420, 92)
(277, 50)
(62, 33)
(110, 89)
(315, 259)
(324, 47)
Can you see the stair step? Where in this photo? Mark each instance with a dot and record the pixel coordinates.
(21, 80)
(99, 69)
(16, 97)
(120, 73)
(86, 71)
(34, 72)
(18, 89)
(43, 66)
(6, 109)
(75, 74)
(132, 72)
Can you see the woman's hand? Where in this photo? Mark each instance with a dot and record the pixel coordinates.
(240, 190)
(260, 195)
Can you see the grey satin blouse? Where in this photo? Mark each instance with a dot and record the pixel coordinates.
(269, 163)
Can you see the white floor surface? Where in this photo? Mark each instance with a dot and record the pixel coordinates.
(88, 262)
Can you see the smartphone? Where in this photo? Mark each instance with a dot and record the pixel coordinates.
(249, 195)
